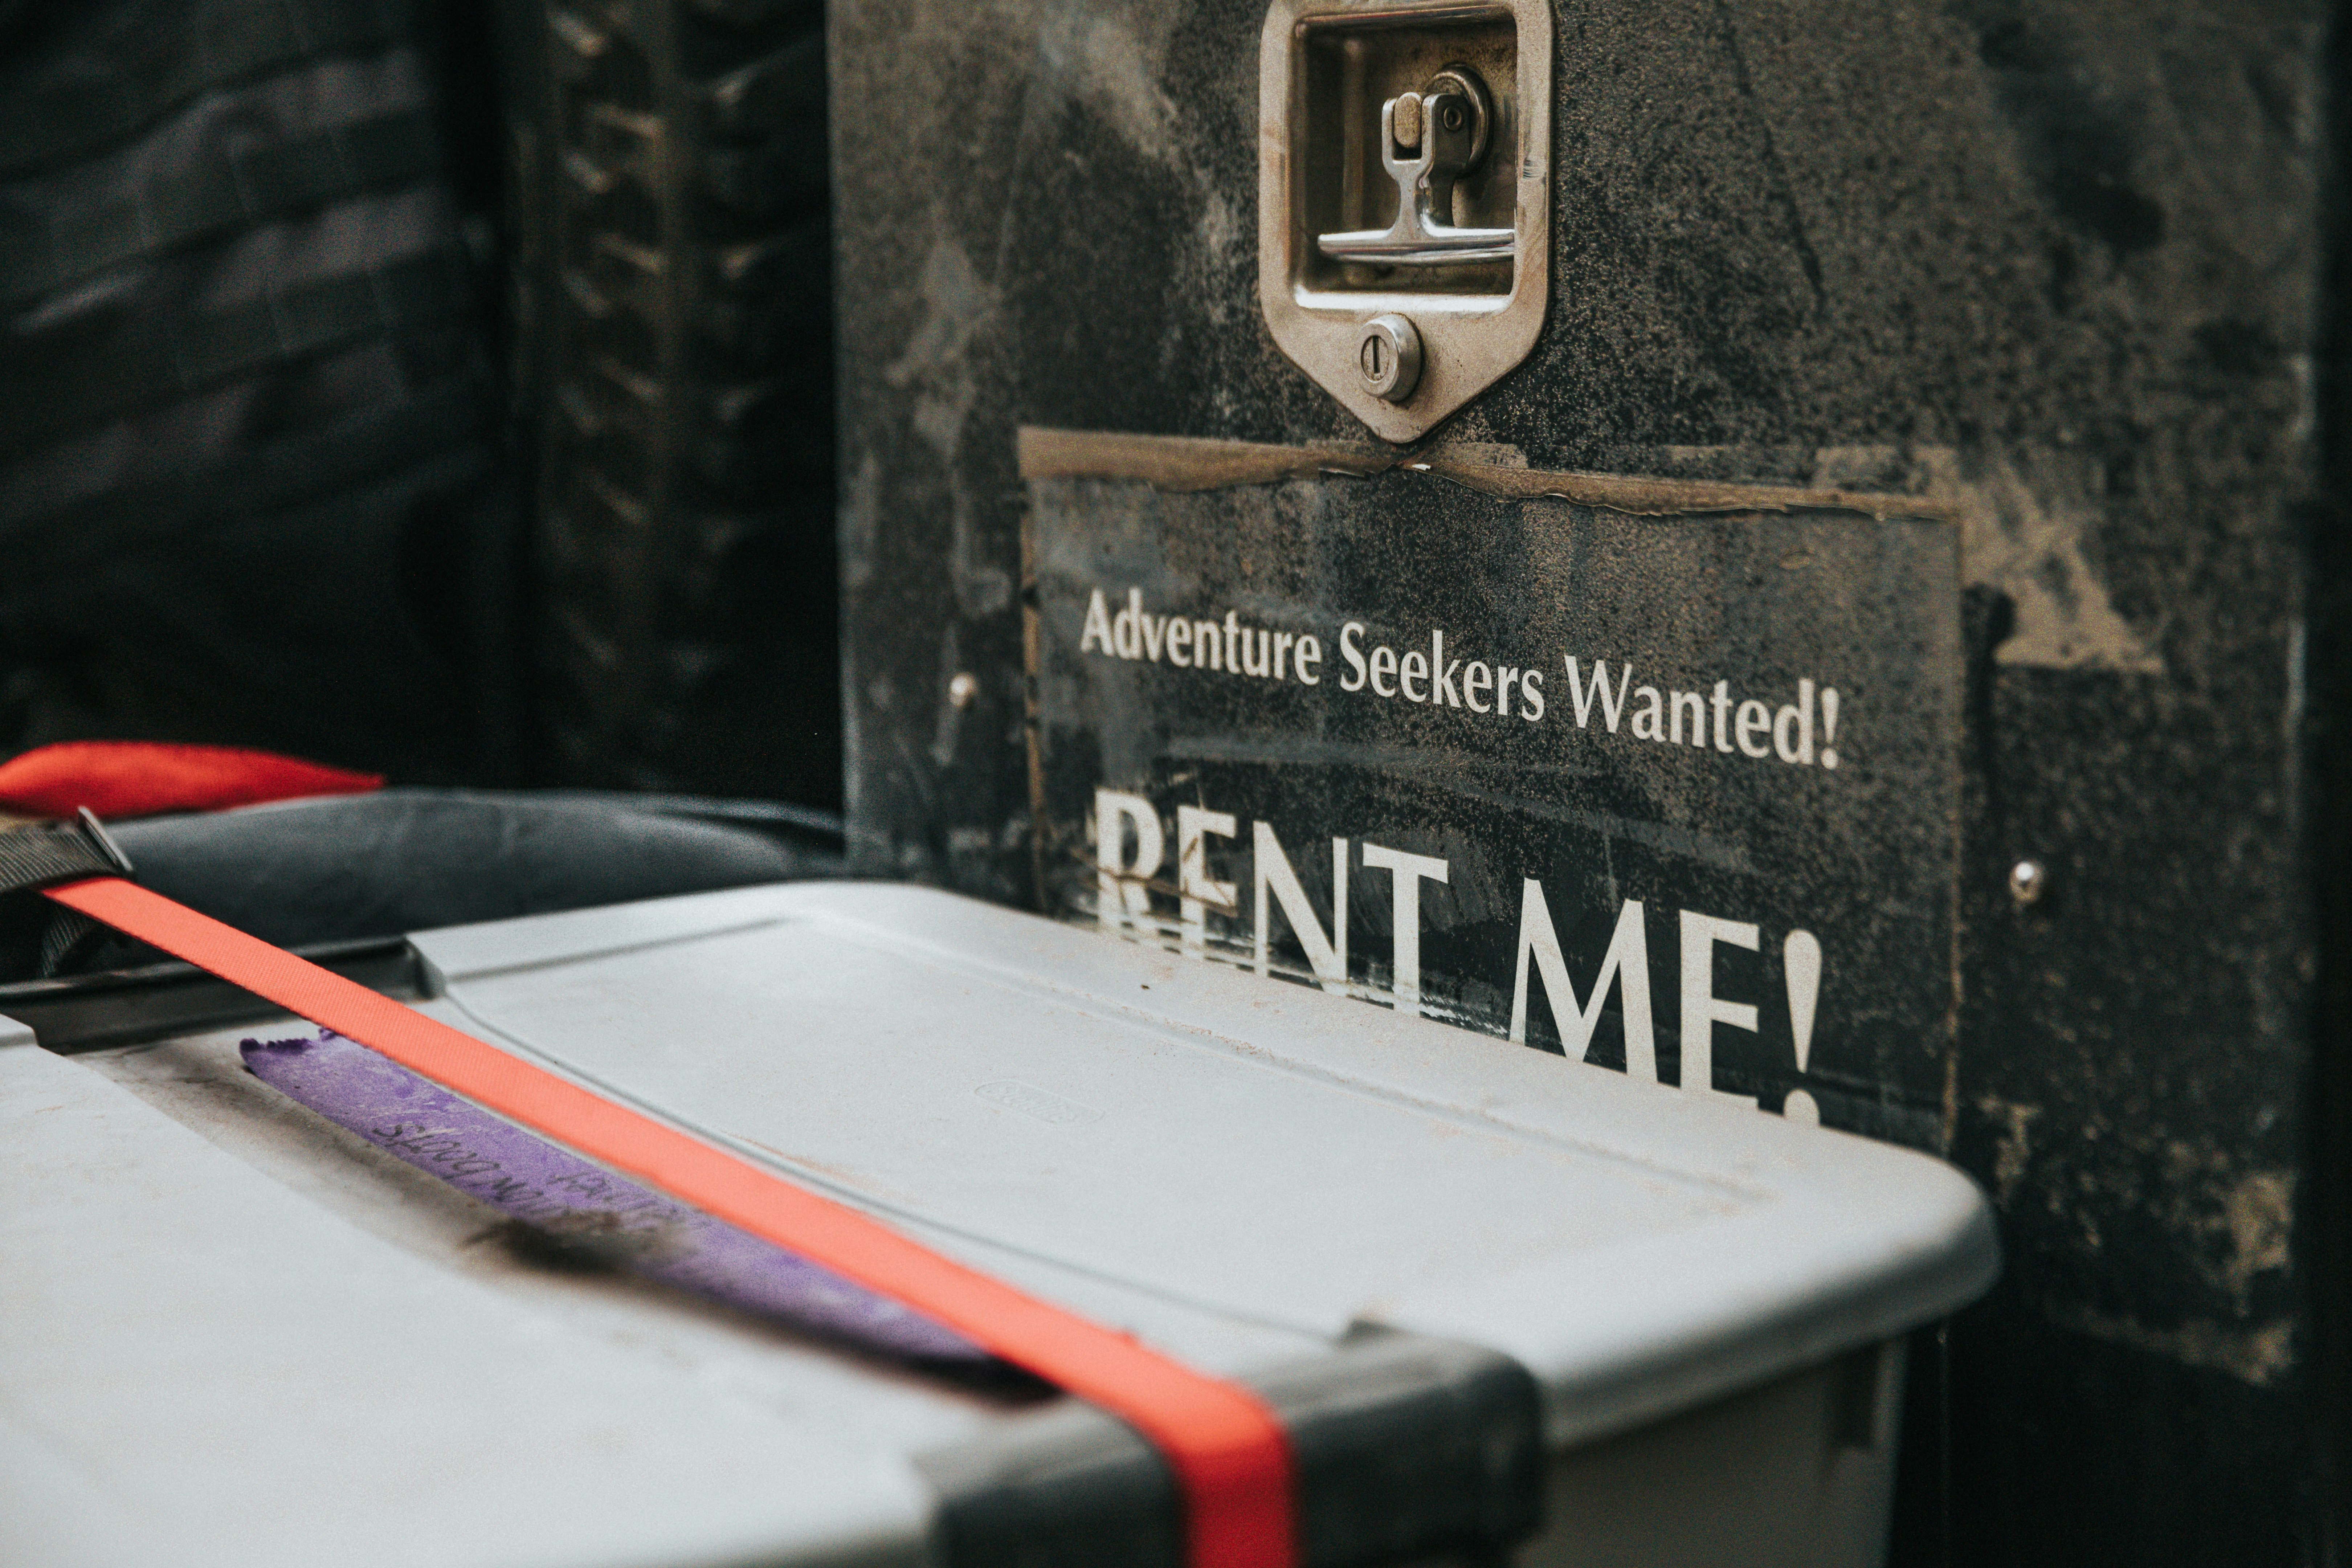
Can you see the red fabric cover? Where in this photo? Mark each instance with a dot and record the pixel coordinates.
(141, 778)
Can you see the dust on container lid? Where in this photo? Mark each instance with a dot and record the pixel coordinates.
(1500, 1299)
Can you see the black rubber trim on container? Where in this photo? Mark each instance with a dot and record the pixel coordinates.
(238, 186)
(1404, 1447)
(224, 43)
(141, 368)
(312, 465)
(158, 1001)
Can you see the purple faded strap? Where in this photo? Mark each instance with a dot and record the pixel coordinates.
(520, 1174)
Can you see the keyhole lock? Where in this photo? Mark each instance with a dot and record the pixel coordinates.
(1389, 355)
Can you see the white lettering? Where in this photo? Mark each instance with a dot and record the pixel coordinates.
(1097, 625)
(1799, 719)
(1414, 667)
(1126, 636)
(1627, 962)
(1121, 897)
(1196, 892)
(1476, 680)
(1696, 705)
(1612, 706)
(1702, 1009)
(1649, 719)
(1440, 685)
(1753, 720)
(1353, 655)
(1406, 871)
(1269, 867)
(1258, 653)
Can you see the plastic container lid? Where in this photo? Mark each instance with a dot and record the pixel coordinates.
(226, 1318)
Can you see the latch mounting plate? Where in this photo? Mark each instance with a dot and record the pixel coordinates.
(1405, 177)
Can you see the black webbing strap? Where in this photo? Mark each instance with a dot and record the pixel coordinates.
(233, 186)
(45, 855)
(34, 857)
(140, 368)
(225, 42)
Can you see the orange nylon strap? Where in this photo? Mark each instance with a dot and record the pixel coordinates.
(1227, 1449)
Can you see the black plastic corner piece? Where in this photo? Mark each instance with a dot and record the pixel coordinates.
(1066, 1487)
(1405, 1448)
(1409, 1447)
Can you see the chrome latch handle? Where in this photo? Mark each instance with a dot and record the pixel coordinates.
(1446, 147)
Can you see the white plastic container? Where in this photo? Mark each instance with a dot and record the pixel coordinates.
(231, 1332)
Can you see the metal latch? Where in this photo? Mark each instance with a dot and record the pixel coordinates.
(1429, 139)
(1431, 120)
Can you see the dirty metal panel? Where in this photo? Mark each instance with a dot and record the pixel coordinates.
(2058, 271)
(1533, 737)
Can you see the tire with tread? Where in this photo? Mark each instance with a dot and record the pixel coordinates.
(673, 326)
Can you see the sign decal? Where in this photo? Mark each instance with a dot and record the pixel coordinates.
(1673, 794)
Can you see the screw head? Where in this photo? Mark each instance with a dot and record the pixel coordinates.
(2028, 881)
(1388, 356)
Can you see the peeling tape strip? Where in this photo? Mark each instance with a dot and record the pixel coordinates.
(1186, 463)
